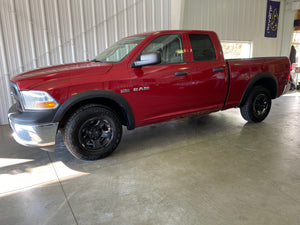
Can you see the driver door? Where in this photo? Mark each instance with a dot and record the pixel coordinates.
(161, 91)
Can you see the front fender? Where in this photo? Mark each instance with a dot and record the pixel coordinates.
(96, 95)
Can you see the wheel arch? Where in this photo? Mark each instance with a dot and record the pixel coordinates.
(267, 80)
(110, 99)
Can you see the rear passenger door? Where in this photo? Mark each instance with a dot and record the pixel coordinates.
(208, 71)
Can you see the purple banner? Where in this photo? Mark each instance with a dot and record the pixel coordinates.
(272, 19)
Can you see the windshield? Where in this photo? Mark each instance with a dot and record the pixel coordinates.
(119, 50)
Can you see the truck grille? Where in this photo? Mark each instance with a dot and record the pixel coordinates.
(14, 90)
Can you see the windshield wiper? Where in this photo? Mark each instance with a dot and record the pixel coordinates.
(96, 60)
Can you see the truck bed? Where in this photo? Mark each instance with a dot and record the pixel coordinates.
(242, 71)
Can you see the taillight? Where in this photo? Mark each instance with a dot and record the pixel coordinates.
(290, 72)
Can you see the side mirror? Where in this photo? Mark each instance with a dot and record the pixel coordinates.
(148, 59)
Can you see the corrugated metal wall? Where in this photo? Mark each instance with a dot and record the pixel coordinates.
(39, 33)
(240, 20)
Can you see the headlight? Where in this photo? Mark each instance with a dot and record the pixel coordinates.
(38, 100)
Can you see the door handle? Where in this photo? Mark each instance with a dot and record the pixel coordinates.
(218, 70)
(183, 73)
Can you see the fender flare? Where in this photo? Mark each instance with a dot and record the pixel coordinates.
(256, 79)
(97, 94)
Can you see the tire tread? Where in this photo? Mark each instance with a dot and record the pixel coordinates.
(72, 123)
(246, 109)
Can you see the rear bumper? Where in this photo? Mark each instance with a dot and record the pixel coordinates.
(28, 132)
(286, 88)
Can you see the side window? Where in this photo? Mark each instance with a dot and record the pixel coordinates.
(202, 47)
(169, 46)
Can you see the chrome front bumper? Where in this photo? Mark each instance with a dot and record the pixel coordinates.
(41, 135)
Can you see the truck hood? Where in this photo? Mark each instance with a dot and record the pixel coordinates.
(33, 78)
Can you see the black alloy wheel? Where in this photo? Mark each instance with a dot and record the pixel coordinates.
(261, 105)
(95, 133)
(257, 106)
(92, 132)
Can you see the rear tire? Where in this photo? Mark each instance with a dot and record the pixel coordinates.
(92, 132)
(257, 105)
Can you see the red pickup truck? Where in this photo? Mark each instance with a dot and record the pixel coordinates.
(140, 80)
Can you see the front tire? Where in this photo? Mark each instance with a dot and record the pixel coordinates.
(257, 105)
(92, 132)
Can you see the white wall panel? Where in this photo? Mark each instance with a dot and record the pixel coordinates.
(240, 20)
(39, 33)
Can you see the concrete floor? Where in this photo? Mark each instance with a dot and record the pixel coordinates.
(213, 169)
